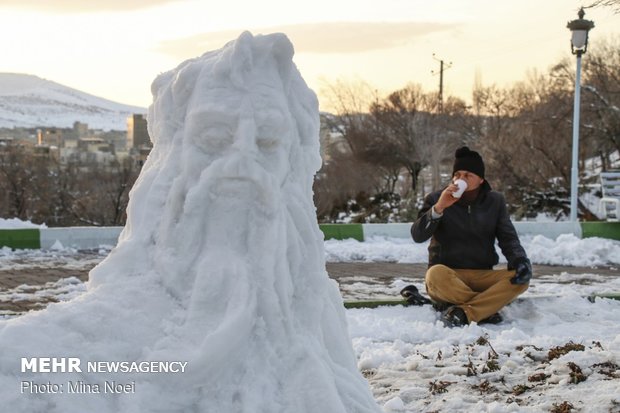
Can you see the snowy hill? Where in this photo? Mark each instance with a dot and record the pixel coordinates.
(29, 101)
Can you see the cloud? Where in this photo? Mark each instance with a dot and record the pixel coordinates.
(79, 6)
(336, 37)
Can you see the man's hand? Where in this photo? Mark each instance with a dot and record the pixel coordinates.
(523, 273)
(446, 200)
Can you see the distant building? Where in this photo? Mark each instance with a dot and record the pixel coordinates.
(46, 151)
(89, 152)
(141, 155)
(50, 137)
(137, 133)
(6, 140)
(80, 130)
(95, 145)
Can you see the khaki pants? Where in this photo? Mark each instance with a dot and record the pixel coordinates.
(480, 293)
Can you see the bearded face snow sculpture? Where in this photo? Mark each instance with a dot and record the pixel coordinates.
(236, 131)
(222, 217)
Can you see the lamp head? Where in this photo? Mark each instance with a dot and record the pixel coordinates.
(579, 28)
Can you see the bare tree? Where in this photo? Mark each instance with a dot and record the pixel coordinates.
(405, 131)
(103, 193)
(24, 179)
(614, 4)
(14, 181)
(443, 133)
(398, 124)
(602, 98)
(358, 130)
(36, 187)
(343, 185)
(526, 139)
(398, 135)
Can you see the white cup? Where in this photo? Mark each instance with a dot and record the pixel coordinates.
(462, 187)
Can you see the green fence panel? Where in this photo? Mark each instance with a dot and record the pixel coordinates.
(20, 238)
(609, 230)
(375, 303)
(343, 231)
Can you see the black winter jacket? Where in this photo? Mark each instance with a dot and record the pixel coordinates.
(464, 237)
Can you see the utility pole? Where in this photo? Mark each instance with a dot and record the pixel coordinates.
(437, 153)
(442, 68)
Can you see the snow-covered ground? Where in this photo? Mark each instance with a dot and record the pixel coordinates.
(415, 364)
(555, 348)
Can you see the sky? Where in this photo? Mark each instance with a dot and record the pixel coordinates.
(115, 48)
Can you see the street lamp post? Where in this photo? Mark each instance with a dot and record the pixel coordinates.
(579, 44)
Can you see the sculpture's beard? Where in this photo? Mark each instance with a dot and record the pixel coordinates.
(249, 292)
(228, 210)
(237, 283)
(237, 220)
(242, 204)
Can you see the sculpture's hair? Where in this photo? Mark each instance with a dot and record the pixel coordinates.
(154, 206)
(173, 90)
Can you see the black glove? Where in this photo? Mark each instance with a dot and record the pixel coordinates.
(413, 296)
(523, 269)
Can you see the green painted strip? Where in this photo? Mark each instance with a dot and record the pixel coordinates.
(374, 303)
(610, 230)
(396, 301)
(20, 238)
(611, 296)
(343, 231)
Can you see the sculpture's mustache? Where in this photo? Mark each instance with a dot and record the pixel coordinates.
(233, 187)
(241, 178)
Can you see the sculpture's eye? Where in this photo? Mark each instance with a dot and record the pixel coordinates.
(268, 143)
(214, 138)
(219, 140)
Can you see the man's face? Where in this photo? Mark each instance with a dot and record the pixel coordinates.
(473, 180)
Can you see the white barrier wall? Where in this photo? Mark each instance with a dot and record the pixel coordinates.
(80, 237)
(387, 230)
(95, 237)
(548, 229)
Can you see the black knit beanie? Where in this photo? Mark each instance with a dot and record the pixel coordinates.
(468, 160)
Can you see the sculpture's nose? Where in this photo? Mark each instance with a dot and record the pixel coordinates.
(245, 135)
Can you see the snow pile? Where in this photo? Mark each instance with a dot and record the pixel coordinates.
(376, 249)
(221, 263)
(16, 223)
(566, 249)
(569, 250)
(66, 258)
(64, 289)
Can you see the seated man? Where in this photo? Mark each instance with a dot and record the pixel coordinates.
(461, 254)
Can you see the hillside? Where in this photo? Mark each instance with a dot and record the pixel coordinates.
(29, 101)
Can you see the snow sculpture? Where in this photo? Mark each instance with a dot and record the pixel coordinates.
(221, 263)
